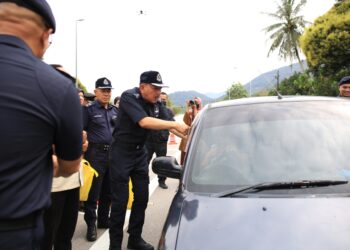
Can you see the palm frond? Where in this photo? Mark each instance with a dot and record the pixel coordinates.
(285, 34)
(273, 27)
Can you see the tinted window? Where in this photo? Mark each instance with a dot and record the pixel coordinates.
(287, 141)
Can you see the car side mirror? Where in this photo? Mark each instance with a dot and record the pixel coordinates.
(167, 166)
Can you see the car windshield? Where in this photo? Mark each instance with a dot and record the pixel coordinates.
(270, 142)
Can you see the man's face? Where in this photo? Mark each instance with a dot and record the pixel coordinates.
(81, 97)
(164, 98)
(149, 92)
(344, 90)
(103, 96)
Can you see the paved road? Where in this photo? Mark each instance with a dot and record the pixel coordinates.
(156, 213)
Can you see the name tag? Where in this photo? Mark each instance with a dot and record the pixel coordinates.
(97, 116)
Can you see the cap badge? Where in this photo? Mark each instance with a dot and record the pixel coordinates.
(159, 78)
(105, 82)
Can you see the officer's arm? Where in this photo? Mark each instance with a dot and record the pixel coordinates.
(158, 124)
(67, 168)
(68, 139)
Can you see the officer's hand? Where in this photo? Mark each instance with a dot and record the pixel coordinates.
(182, 128)
(85, 141)
(55, 166)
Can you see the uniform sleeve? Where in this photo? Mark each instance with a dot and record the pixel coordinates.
(171, 114)
(132, 107)
(85, 118)
(68, 138)
(164, 113)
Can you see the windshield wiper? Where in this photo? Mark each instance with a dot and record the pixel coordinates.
(280, 185)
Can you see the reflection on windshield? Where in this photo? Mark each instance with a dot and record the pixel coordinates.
(250, 144)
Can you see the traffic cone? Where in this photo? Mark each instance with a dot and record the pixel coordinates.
(172, 139)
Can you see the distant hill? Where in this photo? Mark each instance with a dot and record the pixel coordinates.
(214, 95)
(268, 80)
(264, 81)
(179, 98)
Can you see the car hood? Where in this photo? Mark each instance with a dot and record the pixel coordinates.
(264, 223)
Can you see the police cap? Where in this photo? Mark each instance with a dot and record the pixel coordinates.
(152, 77)
(103, 83)
(345, 79)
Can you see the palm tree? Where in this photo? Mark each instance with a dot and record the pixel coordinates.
(286, 33)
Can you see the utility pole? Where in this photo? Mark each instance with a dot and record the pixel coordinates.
(278, 80)
(76, 51)
(250, 88)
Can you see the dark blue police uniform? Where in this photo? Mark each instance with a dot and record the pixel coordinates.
(38, 108)
(157, 141)
(99, 123)
(128, 157)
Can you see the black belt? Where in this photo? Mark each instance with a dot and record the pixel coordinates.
(130, 146)
(100, 146)
(20, 223)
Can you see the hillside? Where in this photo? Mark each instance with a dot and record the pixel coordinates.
(268, 80)
(264, 81)
(179, 98)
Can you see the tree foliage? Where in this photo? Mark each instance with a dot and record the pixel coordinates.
(236, 91)
(326, 44)
(286, 32)
(82, 86)
(307, 84)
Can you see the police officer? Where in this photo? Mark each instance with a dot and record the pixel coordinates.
(157, 141)
(34, 119)
(99, 122)
(344, 87)
(128, 157)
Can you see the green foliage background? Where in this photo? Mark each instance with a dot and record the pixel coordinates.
(236, 91)
(326, 45)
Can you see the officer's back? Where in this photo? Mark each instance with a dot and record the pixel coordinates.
(34, 117)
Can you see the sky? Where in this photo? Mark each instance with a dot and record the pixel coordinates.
(201, 45)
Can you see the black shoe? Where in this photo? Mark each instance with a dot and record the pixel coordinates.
(91, 234)
(114, 248)
(139, 244)
(103, 225)
(163, 185)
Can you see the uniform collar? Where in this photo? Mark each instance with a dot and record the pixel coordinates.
(15, 42)
(139, 96)
(102, 107)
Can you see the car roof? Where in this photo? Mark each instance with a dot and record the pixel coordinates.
(272, 99)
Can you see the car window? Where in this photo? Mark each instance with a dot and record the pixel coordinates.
(271, 142)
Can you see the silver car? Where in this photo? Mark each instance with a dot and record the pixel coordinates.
(263, 173)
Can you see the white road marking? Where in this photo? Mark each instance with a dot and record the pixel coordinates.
(103, 241)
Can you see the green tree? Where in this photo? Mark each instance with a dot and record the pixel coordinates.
(326, 43)
(236, 91)
(82, 86)
(307, 84)
(286, 32)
